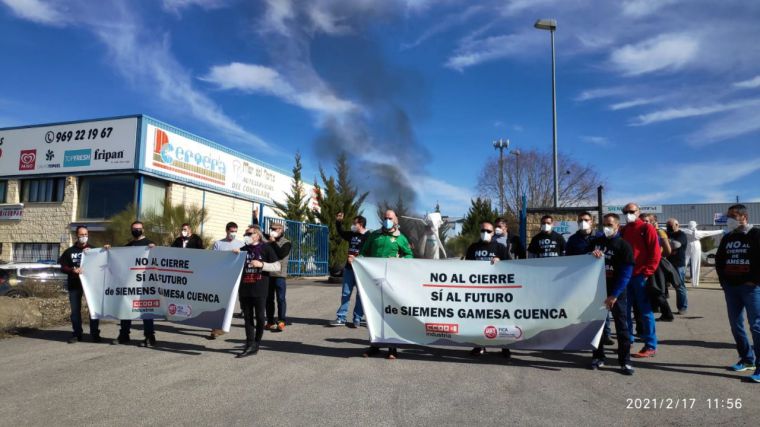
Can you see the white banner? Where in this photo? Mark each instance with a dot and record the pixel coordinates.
(11, 211)
(98, 145)
(187, 286)
(539, 304)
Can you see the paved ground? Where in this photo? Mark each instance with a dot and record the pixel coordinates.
(312, 375)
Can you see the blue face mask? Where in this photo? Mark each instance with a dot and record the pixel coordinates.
(388, 224)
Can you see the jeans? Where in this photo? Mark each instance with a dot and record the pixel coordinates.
(637, 294)
(349, 283)
(682, 301)
(607, 329)
(148, 328)
(618, 313)
(738, 300)
(277, 286)
(75, 302)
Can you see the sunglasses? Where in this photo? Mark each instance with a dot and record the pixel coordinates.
(248, 234)
(483, 230)
(629, 212)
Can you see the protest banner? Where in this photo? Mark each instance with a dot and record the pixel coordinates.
(191, 287)
(540, 304)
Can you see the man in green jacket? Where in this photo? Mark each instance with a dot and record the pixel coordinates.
(387, 242)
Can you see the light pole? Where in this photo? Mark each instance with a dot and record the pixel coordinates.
(551, 26)
(501, 144)
(517, 166)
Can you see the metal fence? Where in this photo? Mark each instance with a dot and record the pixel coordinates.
(309, 255)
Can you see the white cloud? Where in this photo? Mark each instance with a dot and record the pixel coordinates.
(630, 104)
(605, 92)
(37, 11)
(596, 140)
(259, 79)
(640, 8)
(667, 52)
(175, 6)
(739, 122)
(749, 84)
(476, 51)
(684, 112)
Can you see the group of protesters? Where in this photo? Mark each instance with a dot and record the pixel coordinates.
(641, 260)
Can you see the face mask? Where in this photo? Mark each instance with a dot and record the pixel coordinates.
(609, 231)
(486, 237)
(231, 236)
(388, 224)
(546, 228)
(732, 224)
(185, 233)
(354, 228)
(498, 231)
(137, 233)
(82, 240)
(584, 225)
(630, 217)
(247, 240)
(670, 228)
(273, 234)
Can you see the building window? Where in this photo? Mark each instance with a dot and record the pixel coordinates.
(101, 197)
(3, 191)
(43, 190)
(36, 252)
(153, 196)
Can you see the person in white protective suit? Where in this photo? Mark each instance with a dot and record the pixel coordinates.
(430, 244)
(694, 249)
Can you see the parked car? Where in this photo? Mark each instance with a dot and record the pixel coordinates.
(23, 275)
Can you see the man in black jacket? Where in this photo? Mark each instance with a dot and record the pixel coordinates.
(510, 240)
(547, 243)
(187, 239)
(677, 257)
(70, 263)
(355, 238)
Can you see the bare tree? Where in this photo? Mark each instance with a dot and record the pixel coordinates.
(577, 182)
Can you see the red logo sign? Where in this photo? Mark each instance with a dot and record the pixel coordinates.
(491, 332)
(27, 159)
(172, 309)
(146, 303)
(442, 328)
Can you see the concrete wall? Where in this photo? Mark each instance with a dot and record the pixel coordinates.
(41, 222)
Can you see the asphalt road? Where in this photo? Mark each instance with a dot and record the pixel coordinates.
(312, 374)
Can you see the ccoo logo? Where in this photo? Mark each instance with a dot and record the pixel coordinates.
(27, 160)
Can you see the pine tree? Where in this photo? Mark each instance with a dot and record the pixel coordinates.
(296, 206)
(480, 210)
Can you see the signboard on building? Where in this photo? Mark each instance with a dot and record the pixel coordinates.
(720, 219)
(10, 212)
(565, 228)
(173, 154)
(98, 145)
(618, 209)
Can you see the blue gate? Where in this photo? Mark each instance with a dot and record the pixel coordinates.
(310, 246)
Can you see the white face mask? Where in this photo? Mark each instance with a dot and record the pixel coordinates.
(273, 234)
(388, 224)
(354, 228)
(247, 240)
(609, 231)
(82, 240)
(732, 224)
(546, 228)
(185, 233)
(486, 237)
(630, 217)
(498, 231)
(584, 225)
(231, 236)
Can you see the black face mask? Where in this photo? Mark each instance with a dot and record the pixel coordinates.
(137, 233)
(670, 229)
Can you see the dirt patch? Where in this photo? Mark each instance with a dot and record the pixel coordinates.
(22, 314)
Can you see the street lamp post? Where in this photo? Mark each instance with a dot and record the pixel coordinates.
(551, 26)
(517, 167)
(501, 144)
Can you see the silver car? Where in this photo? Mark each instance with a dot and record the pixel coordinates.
(20, 277)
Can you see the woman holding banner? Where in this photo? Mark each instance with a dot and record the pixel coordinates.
(254, 286)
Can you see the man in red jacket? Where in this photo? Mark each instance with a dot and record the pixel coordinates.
(646, 256)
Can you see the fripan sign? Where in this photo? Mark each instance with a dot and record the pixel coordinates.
(10, 212)
(176, 155)
(99, 145)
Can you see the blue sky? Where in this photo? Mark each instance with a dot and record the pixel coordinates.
(662, 97)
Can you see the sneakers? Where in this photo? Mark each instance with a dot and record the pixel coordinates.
(741, 367)
(280, 326)
(75, 339)
(664, 319)
(645, 352)
(478, 351)
(268, 326)
(353, 325)
(392, 353)
(149, 341)
(755, 378)
(338, 322)
(121, 340)
(506, 353)
(372, 351)
(683, 312)
(626, 370)
(596, 364)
